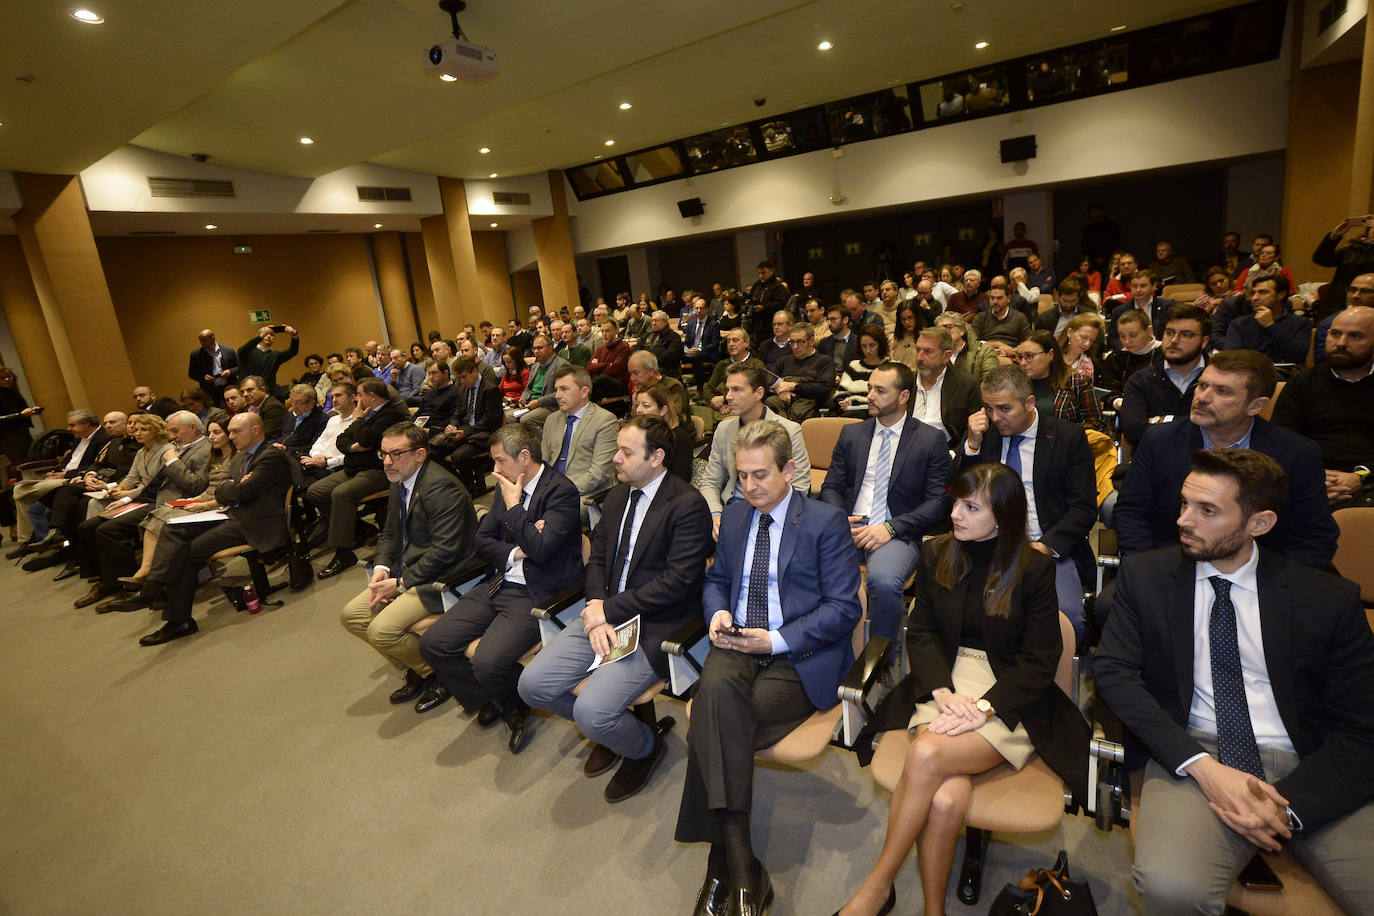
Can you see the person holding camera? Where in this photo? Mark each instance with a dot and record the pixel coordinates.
(256, 357)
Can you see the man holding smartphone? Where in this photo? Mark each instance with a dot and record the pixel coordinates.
(256, 357)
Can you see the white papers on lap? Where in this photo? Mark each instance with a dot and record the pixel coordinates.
(627, 640)
(211, 516)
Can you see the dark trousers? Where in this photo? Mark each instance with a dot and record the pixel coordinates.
(507, 631)
(739, 708)
(464, 457)
(188, 554)
(337, 497)
(107, 547)
(700, 367)
(68, 508)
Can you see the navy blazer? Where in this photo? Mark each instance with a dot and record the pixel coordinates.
(1065, 485)
(1317, 646)
(710, 338)
(1147, 505)
(299, 433)
(917, 499)
(666, 569)
(553, 557)
(1159, 317)
(818, 586)
(848, 353)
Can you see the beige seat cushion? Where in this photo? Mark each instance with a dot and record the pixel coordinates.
(803, 742)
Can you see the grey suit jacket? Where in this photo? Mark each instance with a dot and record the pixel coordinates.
(545, 400)
(592, 448)
(718, 483)
(187, 476)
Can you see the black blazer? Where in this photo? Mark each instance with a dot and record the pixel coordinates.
(848, 353)
(367, 432)
(489, 411)
(1318, 648)
(667, 567)
(298, 434)
(259, 502)
(1065, 485)
(201, 364)
(960, 398)
(1049, 319)
(667, 348)
(439, 531)
(916, 494)
(88, 458)
(1147, 503)
(1159, 317)
(553, 557)
(1023, 650)
(273, 414)
(1149, 393)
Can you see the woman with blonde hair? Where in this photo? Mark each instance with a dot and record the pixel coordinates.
(1080, 343)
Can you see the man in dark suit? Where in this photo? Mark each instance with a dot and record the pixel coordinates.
(782, 604)
(700, 342)
(944, 396)
(1055, 464)
(336, 497)
(476, 416)
(531, 541)
(648, 561)
(1142, 299)
(213, 367)
(261, 402)
(1250, 680)
(888, 474)
(255, 495)
(1233, 389)
(664, 343)
(91, 436)
(302, 423)
(842, 343)
(429, 530)
(439, 399)
(1072, 301)
(1162, 391)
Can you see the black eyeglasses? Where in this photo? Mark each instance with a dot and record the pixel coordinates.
(384, 454)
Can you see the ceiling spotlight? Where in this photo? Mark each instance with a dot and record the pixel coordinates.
(211, 226)
(980, 45)
(610, 143)
(87, 16)
(376, 225)
(1117, 28)
(484, 150)
(492, 175)
(824, 46)
(597, 156)
(448, 77)
(494, 225)
(625, 106)
(306, 141)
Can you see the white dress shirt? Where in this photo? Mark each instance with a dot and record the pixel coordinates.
(81, 445)
(324, 446)
(648, 492)
(863, 503)
(1027, 473)
(778, 516)
(515, 569)
(925, 405)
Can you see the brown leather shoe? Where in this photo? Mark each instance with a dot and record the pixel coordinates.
(99, 593)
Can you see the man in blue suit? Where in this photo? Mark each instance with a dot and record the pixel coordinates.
(700, 343)
(782, 601)
(888, 474)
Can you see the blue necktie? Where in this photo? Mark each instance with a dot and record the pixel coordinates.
(1014, 453)
(1236, 744)
(562, 463)
(877, 514)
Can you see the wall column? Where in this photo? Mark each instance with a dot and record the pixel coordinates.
(439, 258)
(391, 280)
(32, 345)
(554, 250)
(493, 275)
(59, 247)
(1362, 156)
(469, 289)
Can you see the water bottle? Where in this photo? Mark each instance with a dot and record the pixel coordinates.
(250, 600)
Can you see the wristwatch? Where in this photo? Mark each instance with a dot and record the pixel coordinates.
(983, 706)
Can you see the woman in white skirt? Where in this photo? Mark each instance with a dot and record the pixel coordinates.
(984, 641)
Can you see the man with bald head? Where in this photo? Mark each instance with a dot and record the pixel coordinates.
(1333, 404)
(213, 367)
(255, 499)
(145, 401)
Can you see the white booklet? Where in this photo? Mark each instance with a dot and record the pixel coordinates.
(627, 640)
(212, 515)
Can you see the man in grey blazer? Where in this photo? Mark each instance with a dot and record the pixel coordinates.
(537, 397)
(430, 528)
(745, 389)
(579, 438)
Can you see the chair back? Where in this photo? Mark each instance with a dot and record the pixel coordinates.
(1183, 292)
(820, 435)
(1355, 549)
(1268, 412)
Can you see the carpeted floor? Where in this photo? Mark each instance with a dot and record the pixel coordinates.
(257, 767)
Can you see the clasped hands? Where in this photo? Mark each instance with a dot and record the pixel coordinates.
(1249, 806)
(751, 640)
(868, 537)
(383, 588)
(600, 633)
(958, 713)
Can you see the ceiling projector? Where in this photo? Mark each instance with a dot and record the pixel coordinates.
(457, 58)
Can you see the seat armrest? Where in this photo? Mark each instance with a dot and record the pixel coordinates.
(686, 636)
(472, 567)
(558, 603)
(864, 673)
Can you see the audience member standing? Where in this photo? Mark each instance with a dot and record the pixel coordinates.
(256, 357)
(213, 367)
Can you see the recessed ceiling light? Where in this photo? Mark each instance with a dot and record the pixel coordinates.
(494, 225)
(1117, 28)
(610, 143)
(211, 226)
(980, 45)
(484, 150)
(306, 141)
(597, 156)
(824, 46)
(492, 175)
(625, 106)
(376, 225)
(448, 77)
(87, 16)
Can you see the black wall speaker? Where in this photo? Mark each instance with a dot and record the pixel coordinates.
(1018, 148)
(691, 207)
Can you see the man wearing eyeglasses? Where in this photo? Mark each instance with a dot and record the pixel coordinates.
(430, 528)
(808, 378)
(1164, 391)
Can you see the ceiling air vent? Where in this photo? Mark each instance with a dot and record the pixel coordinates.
(190, 187)
(153, 232)
(510, 197)
(373, 193)
(320, 231)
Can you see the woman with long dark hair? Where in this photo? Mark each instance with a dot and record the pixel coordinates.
(984, 640)
(911, 320)
(1059, 390)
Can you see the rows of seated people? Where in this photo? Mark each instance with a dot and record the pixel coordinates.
(972, 456)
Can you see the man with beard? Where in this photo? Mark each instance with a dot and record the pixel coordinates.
(1248, 677)
(1163, 391)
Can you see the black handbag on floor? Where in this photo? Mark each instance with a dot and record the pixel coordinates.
(1046, 892)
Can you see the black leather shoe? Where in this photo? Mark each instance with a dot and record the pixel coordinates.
(343, 560)
(21, 550)
(71, 569)
(53, 538)
(600, 760)
(712, 899)
(45, 561)
(488, 715)
(970, 886)
(412, 688)
(147, 597)
(169, 632)
(521, 725)
(752, 902)
(633, 774)
(887, 907)
(435, 695)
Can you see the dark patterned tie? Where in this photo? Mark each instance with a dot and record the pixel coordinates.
(622, 552)
(1235, 734)
(756, 606)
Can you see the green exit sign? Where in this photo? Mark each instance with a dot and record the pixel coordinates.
(260, 316)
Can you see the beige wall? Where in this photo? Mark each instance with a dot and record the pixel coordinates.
(528, 291)
(493, 276)
(25, 316)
